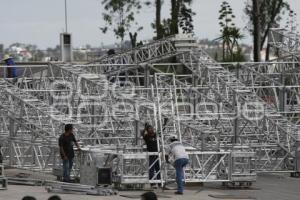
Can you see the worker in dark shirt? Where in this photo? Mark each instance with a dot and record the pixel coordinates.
(150, 139)
(66, 141)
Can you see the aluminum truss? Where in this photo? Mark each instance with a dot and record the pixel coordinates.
(270, 134)
(160, 110)
(31, 129)
(275, 82)
(284, 41)
(213, 110)
(79, 75)
(156, 50)
(224, 88)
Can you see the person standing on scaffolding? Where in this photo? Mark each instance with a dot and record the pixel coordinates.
(65, 142)
(150, 139)
(11, 70)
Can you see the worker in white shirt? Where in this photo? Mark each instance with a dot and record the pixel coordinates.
(177, 153)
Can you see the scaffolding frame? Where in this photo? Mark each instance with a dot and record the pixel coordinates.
(221, 113)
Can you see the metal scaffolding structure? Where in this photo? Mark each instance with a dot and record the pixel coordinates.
(235, 120)
(284, 41)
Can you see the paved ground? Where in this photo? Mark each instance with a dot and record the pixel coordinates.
(273, 187)
(268, 187)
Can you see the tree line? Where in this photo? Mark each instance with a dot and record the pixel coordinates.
(120, 18)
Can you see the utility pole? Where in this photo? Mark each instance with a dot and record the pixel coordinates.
(66, 16)
(66, 40)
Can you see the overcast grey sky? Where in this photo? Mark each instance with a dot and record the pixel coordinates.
(40, 21)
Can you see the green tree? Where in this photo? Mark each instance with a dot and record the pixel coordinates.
(186, 19)
(120, 16)
(291, 23)
(230, 34)
(38, 55)
(181, 16)
(263, 15)
(158, 25)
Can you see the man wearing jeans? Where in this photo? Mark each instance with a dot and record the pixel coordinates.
(66, 141)
(181, 158)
